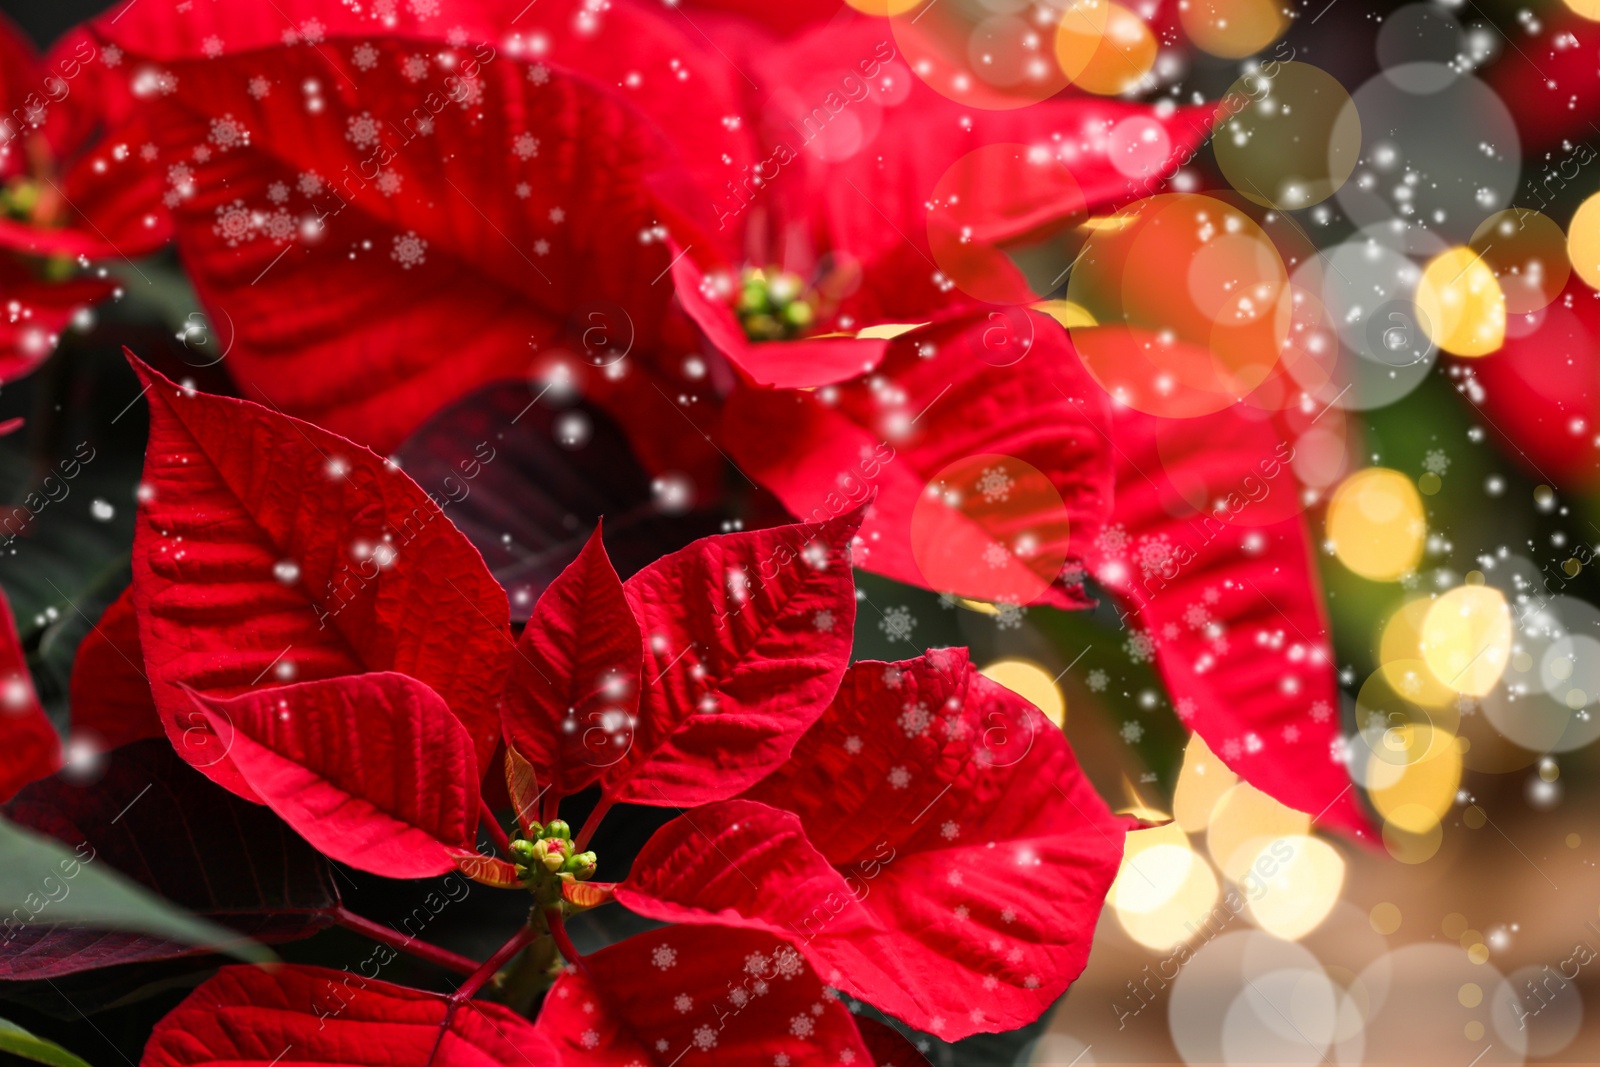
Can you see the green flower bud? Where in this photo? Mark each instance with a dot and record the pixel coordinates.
(553, 856)
(762, 328)
(752, 297)
(558, 828)
(798, 314)
(21, 196)
(523, 850)
(581, 866)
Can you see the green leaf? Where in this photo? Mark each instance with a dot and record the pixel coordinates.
(43, 881)
(17, 1041)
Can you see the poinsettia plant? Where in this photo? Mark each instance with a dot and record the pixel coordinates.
(807, 325)
(320, 640)
(656, 221)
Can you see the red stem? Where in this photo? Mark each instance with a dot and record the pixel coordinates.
(550, 808)
(558, 931)
(497, 833)
(382, 934)
(502, 955)
(592, 823)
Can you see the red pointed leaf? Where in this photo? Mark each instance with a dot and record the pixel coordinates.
(691, 996)
(372, 769)
(572, 693)
(1231, 606)
(258, 1016)
(522, 790)
(865, 188)
(30, 748)
(952, 402)
(587, 894)
(487, 870)
(957, 857)
(268, 549)
(111, 702)
(444, 138)
(745, 636)
(37, 312)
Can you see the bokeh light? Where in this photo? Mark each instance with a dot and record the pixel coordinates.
(1232, 29)
(1104, 48)
(1526, 252)
(1461, 304)
(1583, 241)
(1376, 524)
(1294, 143)
(1202, 781)
(1163, 888)
(1245, 821)
(1466, 638)
(1192, 304)
(1032, 683)
(990, 527)
(1301, 890)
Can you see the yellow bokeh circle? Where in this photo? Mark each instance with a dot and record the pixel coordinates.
(1376, 524)
(1232, 29)
(1460, 304)
(1032, 683)
(1466, 638)
(1583, 241)
(1104, 48)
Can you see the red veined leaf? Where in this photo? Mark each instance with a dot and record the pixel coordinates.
(110, 695)
(522, 789)
(572, 694)
(258, 1016)
(30, 748)
(867, 198)
(160, 822)
(372, 769)
(36, 312)
(943, 856)
(267, 549)
(1231, 605)
(494, 186)
(740, 839)
(745, 637)
(19, 76)
(685, 995)
(1540, 391)
(780, 19)
(488, 870)
(932, 410)
(587, 894)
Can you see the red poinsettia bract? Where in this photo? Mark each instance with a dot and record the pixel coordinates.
(66, 195)
(492, 173)
(320, 639)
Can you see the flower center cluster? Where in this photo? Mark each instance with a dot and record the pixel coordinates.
(773, 305)
(19, 198)
(545, 859)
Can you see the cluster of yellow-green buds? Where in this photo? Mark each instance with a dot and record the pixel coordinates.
(548, 854)
(772, 305)
(18, 198)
